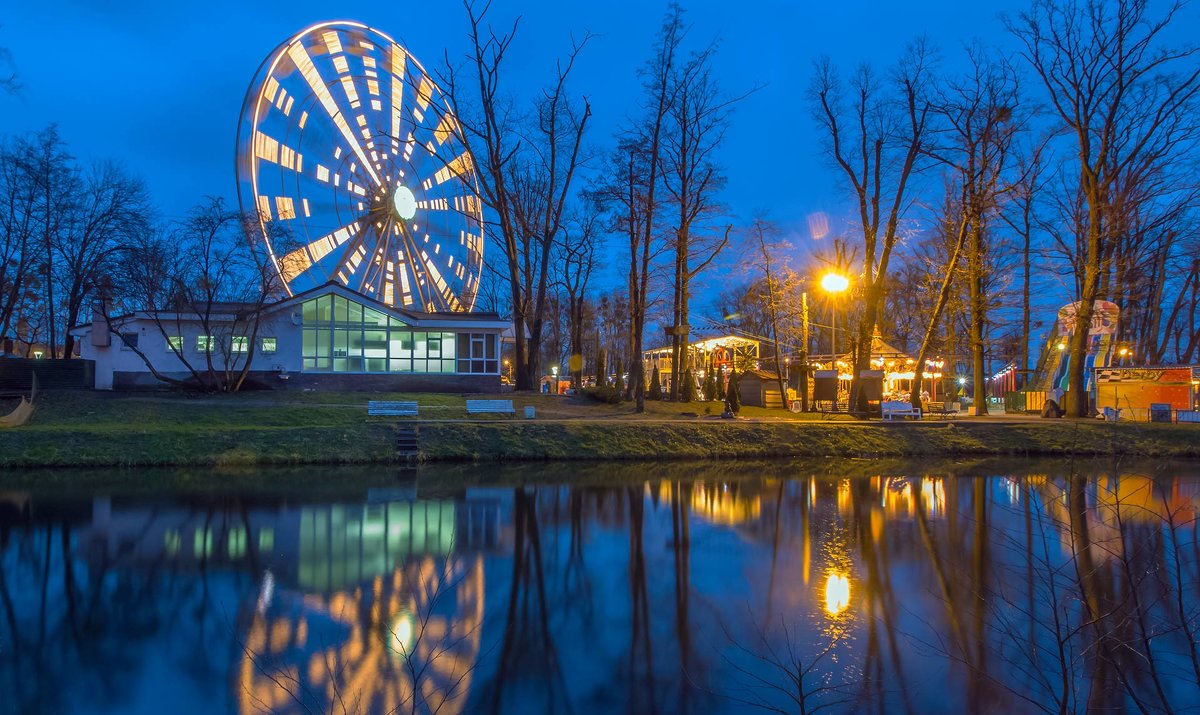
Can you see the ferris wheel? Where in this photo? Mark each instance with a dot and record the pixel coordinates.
(352, 160)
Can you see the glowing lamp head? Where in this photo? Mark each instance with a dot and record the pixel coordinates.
(404, 202)
(1123, 352)
(834, 282)
(1062, 346)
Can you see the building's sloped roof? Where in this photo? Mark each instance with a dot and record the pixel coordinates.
(230, 310)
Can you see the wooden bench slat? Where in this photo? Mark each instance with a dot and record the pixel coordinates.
(385, 408)
(485, 406)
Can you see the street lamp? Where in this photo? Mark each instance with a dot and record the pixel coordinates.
(834, 283)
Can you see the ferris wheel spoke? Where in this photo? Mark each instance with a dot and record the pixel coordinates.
(316, 83)
(301, 259)
(373, 275)
(398, 58)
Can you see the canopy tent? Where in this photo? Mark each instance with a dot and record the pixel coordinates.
(899, 368)
(721, 352)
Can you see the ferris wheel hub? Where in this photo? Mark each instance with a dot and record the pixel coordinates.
(404, 203)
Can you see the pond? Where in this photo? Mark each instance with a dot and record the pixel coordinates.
(730, 587)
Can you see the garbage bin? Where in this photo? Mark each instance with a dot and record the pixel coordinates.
(530, 412)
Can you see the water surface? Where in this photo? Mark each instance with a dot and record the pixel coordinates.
(616, 588)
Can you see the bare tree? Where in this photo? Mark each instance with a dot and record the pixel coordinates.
(576, 260)
(21, 253)
(766, 235)
(54, 180)
(631, 191)
(696, 120)
(876, 133)
(201, 271)
(951, 233)
(1020, 213)
(978, 113)
(110, 209)
(1128, 100)
(528, 165)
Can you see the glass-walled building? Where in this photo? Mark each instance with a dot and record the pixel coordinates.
(342, 335)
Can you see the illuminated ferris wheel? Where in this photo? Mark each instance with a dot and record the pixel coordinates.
(352, 159)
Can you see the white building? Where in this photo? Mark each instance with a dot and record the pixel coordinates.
(326, 337)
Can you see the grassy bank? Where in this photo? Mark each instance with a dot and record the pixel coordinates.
(720, 439)
(96, 429)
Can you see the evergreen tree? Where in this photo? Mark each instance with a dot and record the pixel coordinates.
(655, 392)
(721, 387)
(732, 401)
(710, 384)
(688, 394)
(619, 381)
(601, 375)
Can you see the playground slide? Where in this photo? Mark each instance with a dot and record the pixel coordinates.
(1051, 367)
(1054, 363)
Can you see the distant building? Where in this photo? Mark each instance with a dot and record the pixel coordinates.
(326, 337)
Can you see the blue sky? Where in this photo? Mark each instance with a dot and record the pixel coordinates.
(158, 86)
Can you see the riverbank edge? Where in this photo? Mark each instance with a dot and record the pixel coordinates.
(508, 441)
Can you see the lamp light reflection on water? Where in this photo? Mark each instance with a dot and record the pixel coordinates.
(837, 593)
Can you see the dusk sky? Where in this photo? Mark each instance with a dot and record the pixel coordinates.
(159, 86)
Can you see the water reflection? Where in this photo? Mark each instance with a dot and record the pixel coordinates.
(843, 587)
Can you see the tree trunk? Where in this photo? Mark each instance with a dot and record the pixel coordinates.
(978, 317)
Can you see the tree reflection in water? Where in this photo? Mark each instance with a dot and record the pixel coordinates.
(857, 587)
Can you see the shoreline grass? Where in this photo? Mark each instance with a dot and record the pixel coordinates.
(73, 429)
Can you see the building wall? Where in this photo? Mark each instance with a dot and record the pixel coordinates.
(118, 368)
(341, 382)
(1134, 389)
(116, 359)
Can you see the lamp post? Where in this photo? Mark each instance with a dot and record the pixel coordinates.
(834, 283)
(804, 351)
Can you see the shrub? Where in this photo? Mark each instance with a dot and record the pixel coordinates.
(607, 395)
(710, 385)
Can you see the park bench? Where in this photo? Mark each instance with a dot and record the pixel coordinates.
(1187, 416)
(383, 408)
(478, 407)
(942, 409)
(892, 410)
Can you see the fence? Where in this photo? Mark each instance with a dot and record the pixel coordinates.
(16, 374)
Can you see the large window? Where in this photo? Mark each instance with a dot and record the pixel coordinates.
(477, 353)
(341, 335)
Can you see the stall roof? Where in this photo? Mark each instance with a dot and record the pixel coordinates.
(725, 341)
